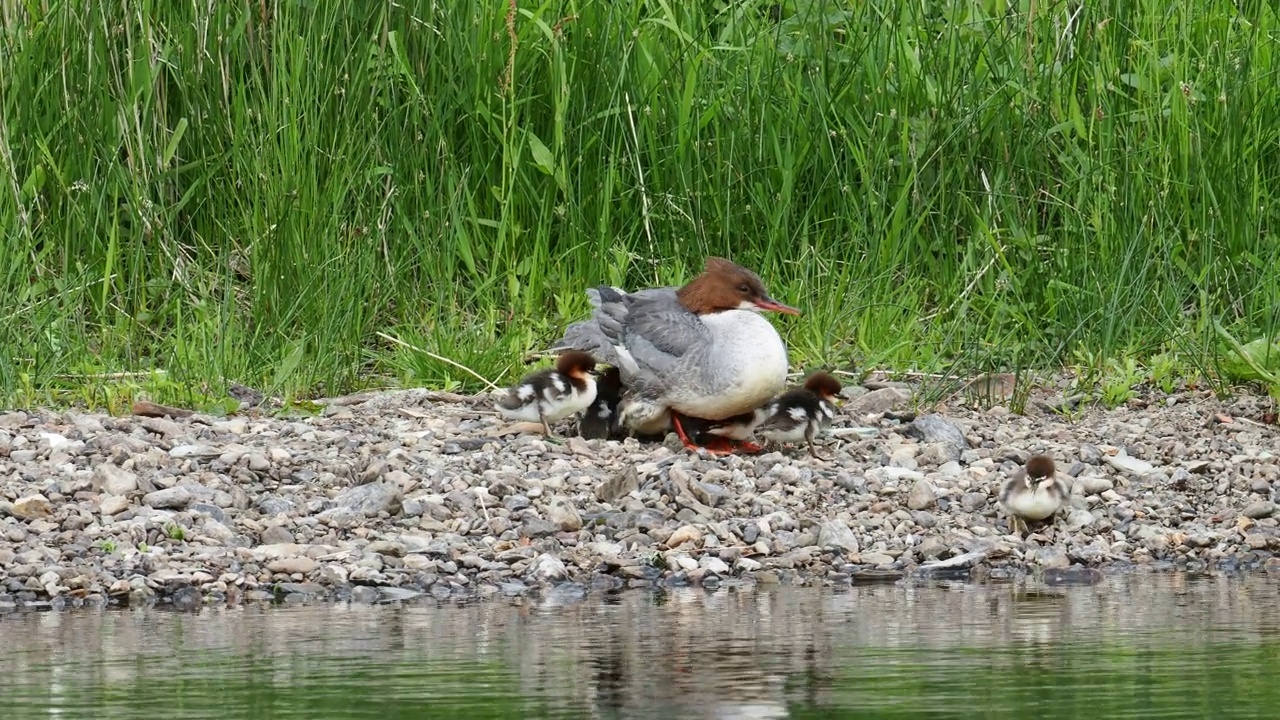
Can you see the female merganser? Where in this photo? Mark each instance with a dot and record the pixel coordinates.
(802, 413)
(552, 394)
(702, 350)
(1033, 493)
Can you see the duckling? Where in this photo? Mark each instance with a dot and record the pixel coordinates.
(801, 413)
(552, 394)
(1033, 493)
(601, 418)
(737, 429)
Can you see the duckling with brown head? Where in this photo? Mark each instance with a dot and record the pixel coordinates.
(1034, 492)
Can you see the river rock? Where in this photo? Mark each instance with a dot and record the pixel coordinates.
(921, 496)
(834, 533)
(175, 498)
(1259, 510)
(32, 507)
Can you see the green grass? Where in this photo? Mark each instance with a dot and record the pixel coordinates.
(305, 196)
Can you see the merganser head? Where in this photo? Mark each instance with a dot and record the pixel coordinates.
(726, 286)
(823, 385)
(575, 364)
(1040, 467)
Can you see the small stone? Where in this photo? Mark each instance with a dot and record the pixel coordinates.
(1079, 519)
(714, 564)
(1131, 465)
(931, 547)
(936, 429)
(876, 558)
(1092, 485)
(384, 547)
(1050, 557)
(547, 568)
(371, 499)
(32, 507)
(276, 535)
(289, 566)
(536, 528)
(921, 496)
(924, 519)
(625, 482)
(565, 515)
(274, 506)
(834, 533)
(686, 534)
(1011, 454)
(174, 498)
(876, 401)
(113, 480)
(1259, 510)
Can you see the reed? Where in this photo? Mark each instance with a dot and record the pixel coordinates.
(314, 197)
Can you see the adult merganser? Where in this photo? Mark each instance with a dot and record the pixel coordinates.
(801, 413)
(552, 394)
(701, 351)
(1033, 493)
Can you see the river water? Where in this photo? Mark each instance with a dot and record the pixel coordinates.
(1141, 645)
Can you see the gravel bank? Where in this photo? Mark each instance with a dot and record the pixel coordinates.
(402, 494)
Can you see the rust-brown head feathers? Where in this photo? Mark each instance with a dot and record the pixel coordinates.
(575, 363)
(724, 285)
(822, 384)
(1040, 466)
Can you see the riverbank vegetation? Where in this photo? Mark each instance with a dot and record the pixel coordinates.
(309, 198)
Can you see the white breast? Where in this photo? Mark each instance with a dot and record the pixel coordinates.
(745, 367)
(562, 405)
(1036, 505)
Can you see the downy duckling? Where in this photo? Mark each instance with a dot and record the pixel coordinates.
(801, 413)
(600, 421)
(1034, 492)
(739, 429)
(552, 394)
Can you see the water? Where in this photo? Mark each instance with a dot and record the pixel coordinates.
(1134, 646)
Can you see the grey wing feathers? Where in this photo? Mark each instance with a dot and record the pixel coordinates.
(659, 335)
(649, 323)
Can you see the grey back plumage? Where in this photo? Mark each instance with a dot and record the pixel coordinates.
(651, 324)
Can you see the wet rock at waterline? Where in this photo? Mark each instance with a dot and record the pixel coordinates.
(402, 497)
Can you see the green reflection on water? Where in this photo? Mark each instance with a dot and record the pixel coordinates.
(1146, 646)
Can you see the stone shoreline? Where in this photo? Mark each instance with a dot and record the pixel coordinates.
(406, 494)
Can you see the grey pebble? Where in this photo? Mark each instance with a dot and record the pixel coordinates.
(369, 504)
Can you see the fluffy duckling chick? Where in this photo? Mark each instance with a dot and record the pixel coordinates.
(600, 420)
(552, 394)
(1034, 492)
(740, 428)
(801, 413)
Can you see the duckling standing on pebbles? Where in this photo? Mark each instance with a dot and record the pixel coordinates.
(552, 394)
(801, 413)
(600, 421)
(1033, 493)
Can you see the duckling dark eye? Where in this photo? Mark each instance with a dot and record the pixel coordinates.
(744, 288)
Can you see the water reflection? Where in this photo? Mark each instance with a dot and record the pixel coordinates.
(1134, 646)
